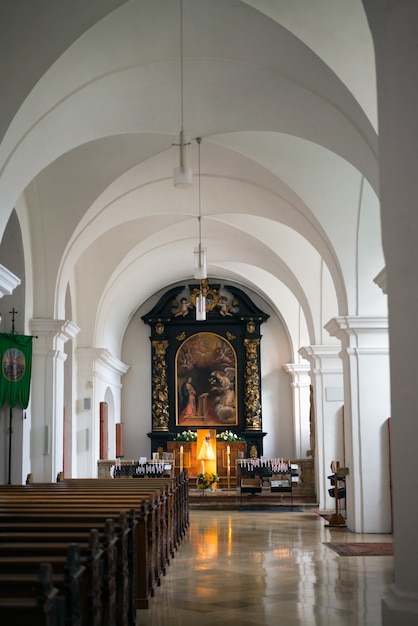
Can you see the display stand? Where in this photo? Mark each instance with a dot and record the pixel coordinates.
(135, 468)
(281, 481)
(280, 474)
(338, 492)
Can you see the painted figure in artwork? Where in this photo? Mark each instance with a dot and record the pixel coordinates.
(206, 371)
(188, 398)
(222, 384)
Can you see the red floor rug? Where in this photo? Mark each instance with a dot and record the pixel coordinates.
(361, 549)
(326, 516)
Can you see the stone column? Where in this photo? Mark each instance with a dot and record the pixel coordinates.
(47, 405)
(327, 382)
(394, 27)
(99, 380)
(301, 382)
(365, 355)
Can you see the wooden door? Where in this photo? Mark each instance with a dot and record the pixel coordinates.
(104, 431)
(119, 440)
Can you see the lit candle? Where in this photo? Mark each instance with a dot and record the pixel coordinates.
(203, 466)
(181, 459)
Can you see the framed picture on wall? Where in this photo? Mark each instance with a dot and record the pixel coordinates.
(206, 379)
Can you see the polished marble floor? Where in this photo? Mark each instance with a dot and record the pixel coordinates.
(250, 568)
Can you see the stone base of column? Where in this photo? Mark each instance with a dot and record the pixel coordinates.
(399, 608)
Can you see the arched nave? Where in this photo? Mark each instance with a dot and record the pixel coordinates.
(294, 200)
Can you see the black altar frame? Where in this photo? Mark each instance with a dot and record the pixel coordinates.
(231, 337)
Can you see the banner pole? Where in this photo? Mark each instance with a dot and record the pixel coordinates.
(10, 444)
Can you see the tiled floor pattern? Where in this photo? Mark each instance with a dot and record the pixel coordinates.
(251, 568)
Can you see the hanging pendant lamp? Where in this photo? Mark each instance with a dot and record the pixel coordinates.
(200, 269)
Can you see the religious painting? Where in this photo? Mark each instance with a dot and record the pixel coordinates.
(206, 377)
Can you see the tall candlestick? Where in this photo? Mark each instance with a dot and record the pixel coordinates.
(228, 464)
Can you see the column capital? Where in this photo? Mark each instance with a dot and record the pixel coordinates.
(296, 368)
(326, 358)
(360, 330)
(8, 282)
(102, 357)
(299, 373)
(60, 329)
(381, 280)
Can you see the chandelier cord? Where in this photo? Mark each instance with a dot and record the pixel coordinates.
(181, 65)
(199, 141)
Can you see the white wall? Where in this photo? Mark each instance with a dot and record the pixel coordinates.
(136, 389)
(276, 393)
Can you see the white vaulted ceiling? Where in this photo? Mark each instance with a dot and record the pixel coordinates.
(283, 95)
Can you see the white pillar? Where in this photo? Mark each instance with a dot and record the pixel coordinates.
(394, 27)
(327, 382)
(99, 377)
(301, 408)
(47, 400)
(365, 355)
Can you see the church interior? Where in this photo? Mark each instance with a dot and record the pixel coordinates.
(208, 231)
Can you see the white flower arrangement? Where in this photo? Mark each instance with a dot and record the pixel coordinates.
(191, 435)
(228, 435)
(186, 435)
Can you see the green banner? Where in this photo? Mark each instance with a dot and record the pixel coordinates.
(16, 368)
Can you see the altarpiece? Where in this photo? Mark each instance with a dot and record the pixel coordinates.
(206, 374)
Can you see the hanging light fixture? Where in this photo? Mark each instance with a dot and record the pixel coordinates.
(182, 174)
(200, 306)
(200, 269)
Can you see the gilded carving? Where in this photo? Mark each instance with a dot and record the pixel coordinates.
(253, 452)
(230, 336)
(160, 412)
(252, 400)
(212, 296)
(159, 328)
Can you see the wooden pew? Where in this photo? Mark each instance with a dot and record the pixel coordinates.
(177, 490)
(178, 493)
(34, 600)
(107, 593)
(165, 517)
(169, 525)
(40, 506)
(19, 587)
(92, 511)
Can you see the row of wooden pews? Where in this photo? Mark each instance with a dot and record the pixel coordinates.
(88, 551)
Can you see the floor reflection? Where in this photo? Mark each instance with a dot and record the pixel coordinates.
(253, 568)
